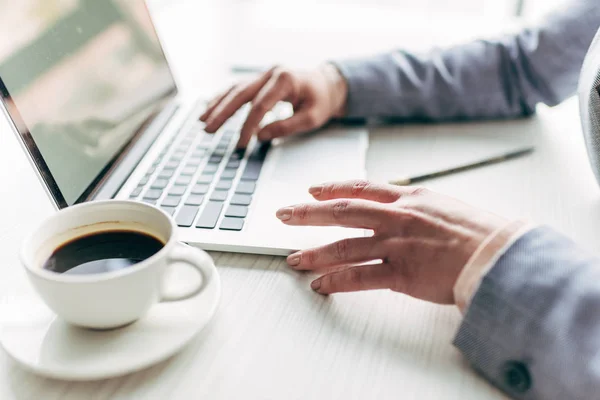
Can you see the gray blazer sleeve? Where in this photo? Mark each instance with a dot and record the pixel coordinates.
(500, 78)
(533, 326)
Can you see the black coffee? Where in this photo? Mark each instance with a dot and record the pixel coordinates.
(102, 252)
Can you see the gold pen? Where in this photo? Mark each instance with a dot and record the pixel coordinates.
(489, 161)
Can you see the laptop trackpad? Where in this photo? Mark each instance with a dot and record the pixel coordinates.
(292, 167)
(329, 155)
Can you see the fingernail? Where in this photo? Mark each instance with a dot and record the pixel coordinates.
(208, 125)
(284, 213)
(294, 259)
(316, 190)
(316, 284)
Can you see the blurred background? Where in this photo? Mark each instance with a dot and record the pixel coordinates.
(475, 8)
(301, 33)
(259, 33)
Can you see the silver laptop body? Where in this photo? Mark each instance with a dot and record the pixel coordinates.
(92, 99)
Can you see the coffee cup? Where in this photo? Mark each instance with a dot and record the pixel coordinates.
(103, 264)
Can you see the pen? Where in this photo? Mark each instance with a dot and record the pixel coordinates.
(489, 161)
(247, 69)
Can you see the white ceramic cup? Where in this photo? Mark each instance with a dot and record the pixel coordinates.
(117, 298)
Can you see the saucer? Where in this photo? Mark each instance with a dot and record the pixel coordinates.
(40, 341)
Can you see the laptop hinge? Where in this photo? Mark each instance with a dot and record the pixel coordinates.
(131, 157)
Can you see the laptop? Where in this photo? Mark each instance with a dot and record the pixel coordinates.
(94, 103)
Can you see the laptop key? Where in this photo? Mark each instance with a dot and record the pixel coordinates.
(223, 185)
(159, 183)
(177, 190)
(232, 224)
(252, 170)
(194, 200)
(171, 201)
(219, 195)
(166, 173)
(205, 179)
(143, 181)
(241, 200)
(238, 154)
(172, 164)
(210, 215)
(188, 170)
(236, 211)
(210, 169)
(200, 189)
(219, 152)
(183, 180)
(185, 216)
(228, 174)
(168, 210)
(246, 187)
(233, 164)
(149, 201)
(151, 170)
(136, 192)
(153, 194)
(194, 162)
(259, 152)
(215, 159)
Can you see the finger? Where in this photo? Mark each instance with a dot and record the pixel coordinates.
(362, 277)
(302, 121)
(358, 189)
(214, 103)
(340, 253)
(233, 101)
(349, 213)
(273, 91)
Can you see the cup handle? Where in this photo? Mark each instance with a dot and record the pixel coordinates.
(195, 258)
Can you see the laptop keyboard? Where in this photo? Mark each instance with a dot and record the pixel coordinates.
(198, 178)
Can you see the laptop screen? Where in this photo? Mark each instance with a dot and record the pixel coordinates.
(79, 79)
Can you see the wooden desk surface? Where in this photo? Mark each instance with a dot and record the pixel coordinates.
(272, 338)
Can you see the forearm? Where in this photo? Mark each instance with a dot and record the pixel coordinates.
(538, 311)
(499, 78)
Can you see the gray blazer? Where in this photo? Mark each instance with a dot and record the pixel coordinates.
(533, 327)
(501, 78)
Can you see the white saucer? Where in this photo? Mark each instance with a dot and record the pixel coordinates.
(32, 335)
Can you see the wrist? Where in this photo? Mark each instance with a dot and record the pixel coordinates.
(484, 258)
(337, 88)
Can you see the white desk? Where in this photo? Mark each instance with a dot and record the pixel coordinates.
(272, 338)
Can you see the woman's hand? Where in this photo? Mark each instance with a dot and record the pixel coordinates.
(316, 97)
(421, 241)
